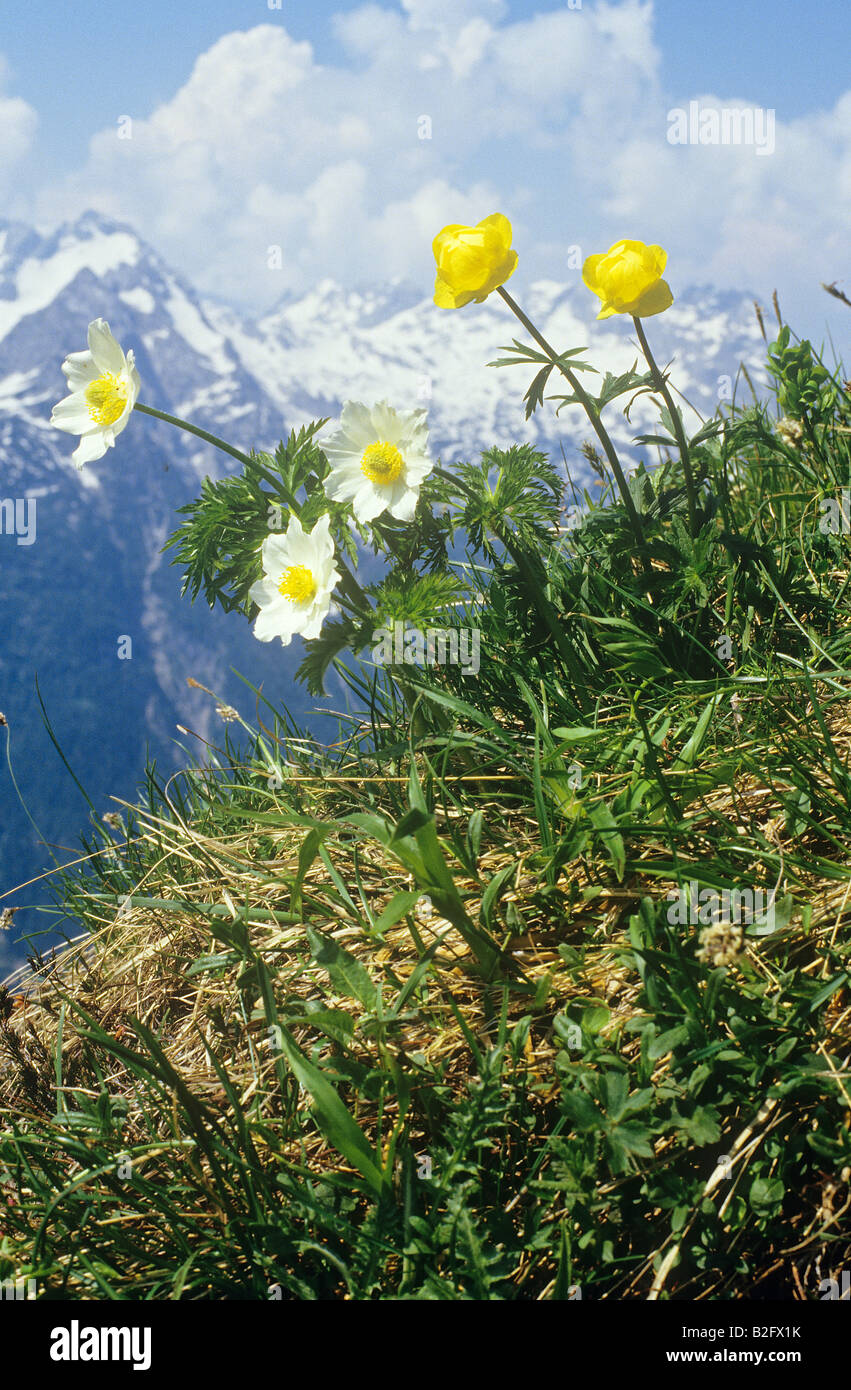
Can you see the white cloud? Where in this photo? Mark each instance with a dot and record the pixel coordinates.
(558, 120)
(18, 122)
(451, 15)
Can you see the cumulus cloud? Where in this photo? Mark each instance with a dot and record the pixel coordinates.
(18, 122)
(447, 110)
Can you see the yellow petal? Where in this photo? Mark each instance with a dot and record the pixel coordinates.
(473, 261)
(501, 226)
(503, 272)
(466, 267)
(657, 299)
(661, 258)
(627, 276)
(620, 248)
(589, 272)
(445, 234)
(445, 297)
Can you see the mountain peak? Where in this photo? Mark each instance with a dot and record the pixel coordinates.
(90, 222)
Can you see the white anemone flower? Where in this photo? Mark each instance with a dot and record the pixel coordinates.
(104, 385)
(294, 594)
(378, 460)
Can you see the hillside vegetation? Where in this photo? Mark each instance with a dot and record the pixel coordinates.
(467, 1006)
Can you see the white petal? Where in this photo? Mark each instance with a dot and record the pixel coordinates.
(341, 446)
(356, 422)
(322, 529)
(415, 437)
(133, 379)
(122, 422)
(72, 414)
(346, 465)
(79, 369)
(104, 349)
(417, 469)
(301, 552)
(274, 553)
(313, 626)
(386, 423)
(369, 502)
(343, 484)
(264, 591)
(404, 509)
(91, 447)
(322, 540)
(275, 621)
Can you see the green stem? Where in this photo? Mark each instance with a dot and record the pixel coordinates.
(455, 481)
(590, 410)
(545, 608)
(193, 429)
(676, 421)
(360, 603)
(654, 763)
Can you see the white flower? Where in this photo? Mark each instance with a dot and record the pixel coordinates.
(294, 594)
(104, 385)
(378, 460)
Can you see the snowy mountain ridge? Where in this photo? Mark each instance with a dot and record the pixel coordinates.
(302, 358)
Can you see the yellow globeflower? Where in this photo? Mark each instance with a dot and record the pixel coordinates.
(628, 279)
(472, 261)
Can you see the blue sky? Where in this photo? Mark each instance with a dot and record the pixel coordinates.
(556, 118)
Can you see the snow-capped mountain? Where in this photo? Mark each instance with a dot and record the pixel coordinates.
(94, 574)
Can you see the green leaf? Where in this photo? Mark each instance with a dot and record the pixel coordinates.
(211, 962)
(667, 1042)
(338, 1126)
(494, 891)
(607, 827)
(334, 1023)
(535, 395)
(310, 848)
(594, 1019)
(345, 972)
(626, 1142)
(396, 909)
(766, 1193)
(582, 1111)
(617, 1090)
(474, 838)
(702, 1125)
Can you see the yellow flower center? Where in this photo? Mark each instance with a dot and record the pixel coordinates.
(297, 584)
(106, 398)
(382, 463)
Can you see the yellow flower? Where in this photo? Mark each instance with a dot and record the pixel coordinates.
(628, 279)
(472, 261)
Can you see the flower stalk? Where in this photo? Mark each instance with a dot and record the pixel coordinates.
(676, 421)
(590, 410)
(193, 429)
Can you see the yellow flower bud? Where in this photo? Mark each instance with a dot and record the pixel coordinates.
(628, 279)
(472, 261)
